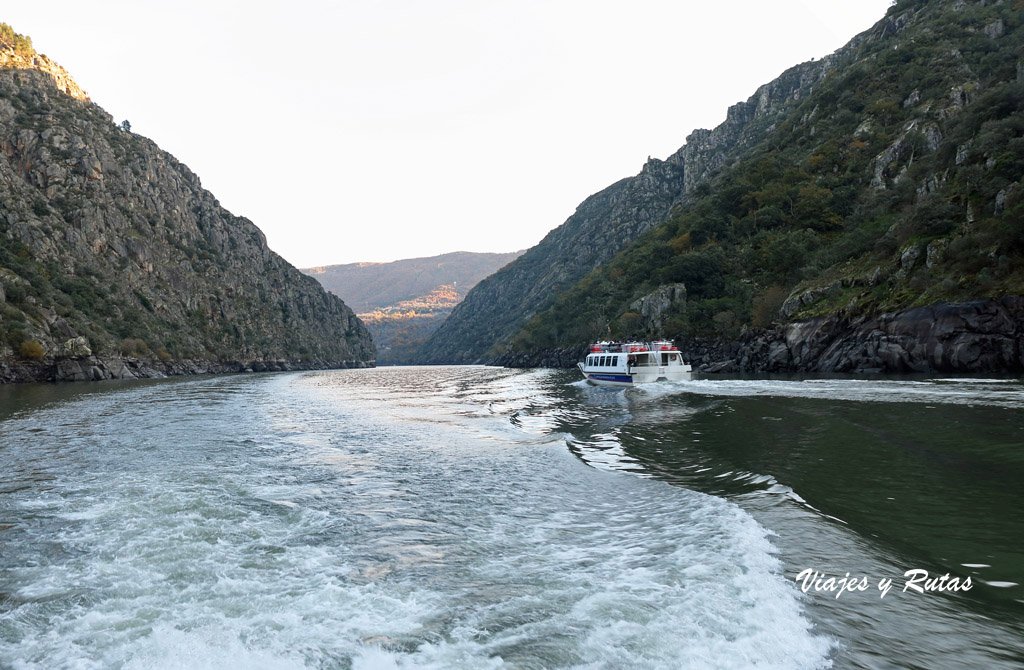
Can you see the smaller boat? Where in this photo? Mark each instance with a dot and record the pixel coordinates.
(630, 363)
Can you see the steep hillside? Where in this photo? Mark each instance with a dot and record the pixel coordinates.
(111, 250)
(602, 225)
(611, 220)
(368, 286)
(852, 191)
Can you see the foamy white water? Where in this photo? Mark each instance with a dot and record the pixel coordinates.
(1007, 393)
(395, 518)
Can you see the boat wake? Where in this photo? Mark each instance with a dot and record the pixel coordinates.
(1007, 393)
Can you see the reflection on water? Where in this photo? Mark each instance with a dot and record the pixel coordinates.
(866, 477)
(936, 473)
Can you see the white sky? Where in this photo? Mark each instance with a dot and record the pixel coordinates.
(385, 129)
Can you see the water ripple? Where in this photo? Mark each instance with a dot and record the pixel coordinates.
(426, 517)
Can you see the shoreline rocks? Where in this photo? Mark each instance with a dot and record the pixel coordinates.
(544, 358)
(970, 337)
(100, 368)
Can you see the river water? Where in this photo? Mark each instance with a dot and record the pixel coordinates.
(473, 517)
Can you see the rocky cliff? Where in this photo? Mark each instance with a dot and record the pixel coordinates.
(976, 336)
(113, 255)
(878, 186)
(612, 219)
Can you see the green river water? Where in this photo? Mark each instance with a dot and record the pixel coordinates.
(475, 517)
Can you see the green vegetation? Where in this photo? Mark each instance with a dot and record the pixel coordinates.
(134, 346)
(31, 349)
(22, 45)
(895, 184)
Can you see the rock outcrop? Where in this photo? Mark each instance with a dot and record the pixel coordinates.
(113, 245)
(976, 336)
(39, 70)
(653, 306)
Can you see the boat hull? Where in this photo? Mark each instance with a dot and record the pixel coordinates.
(609, 380)
(637, 376)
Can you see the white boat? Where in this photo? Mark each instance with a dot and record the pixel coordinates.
(629, 363)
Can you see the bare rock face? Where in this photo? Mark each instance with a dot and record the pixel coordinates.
(653, 306)
(110, 248)
(706, 151)
(976, 336)
(76, 347)
(995, 30)
(38, 68)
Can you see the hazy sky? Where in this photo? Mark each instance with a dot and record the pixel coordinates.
(387, 129)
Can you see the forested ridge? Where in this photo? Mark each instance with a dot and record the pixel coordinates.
(893, 184)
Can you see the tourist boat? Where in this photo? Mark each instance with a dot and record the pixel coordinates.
(629, 363)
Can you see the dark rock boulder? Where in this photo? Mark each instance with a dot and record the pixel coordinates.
(976, 336)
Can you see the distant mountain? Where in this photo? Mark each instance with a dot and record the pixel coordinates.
(367, 286)
(115, 262)
(405, 301)
(862, 211)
